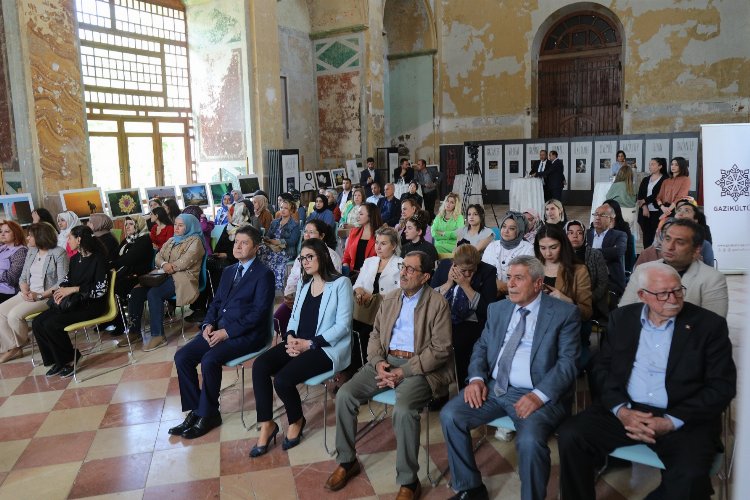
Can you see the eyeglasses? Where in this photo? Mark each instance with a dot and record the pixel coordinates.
(310, 233)
(602, 216)
(409, 269)
(664, 296)
(309, 258)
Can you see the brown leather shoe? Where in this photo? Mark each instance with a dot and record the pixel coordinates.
(405, 493)
(341, 476)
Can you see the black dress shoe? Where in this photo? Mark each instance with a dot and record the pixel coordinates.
(54, 370)
(185, 425)
(202, 426)
(478, 493)
(67, 371)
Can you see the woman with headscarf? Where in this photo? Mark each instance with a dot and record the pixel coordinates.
(206, 225)
(260, 208)
(222, 213)
(511, 244)
(180, 258)
(134, 258)
(101, 225)
(533, 224)
(65, 222)
(322, 211)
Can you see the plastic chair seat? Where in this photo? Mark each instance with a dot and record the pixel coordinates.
(639, 453)
(504, 423)
(246, 357)
(109, 316)
(32, 316)
(319, 379)
(387, 397)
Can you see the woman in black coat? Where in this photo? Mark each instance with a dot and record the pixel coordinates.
(648, 191)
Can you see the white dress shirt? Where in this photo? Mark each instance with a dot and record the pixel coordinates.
(598, 239)
(402, 338)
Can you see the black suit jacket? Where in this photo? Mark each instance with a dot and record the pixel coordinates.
(613, 248)
(341, 194)
(554, 175)
(643, 191)
(483, 282)
(408, 176)
(701, 376)
(364, 175)
(535, 168)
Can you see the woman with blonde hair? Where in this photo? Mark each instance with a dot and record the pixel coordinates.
(623, 189)
(554, 212)
(446, 223)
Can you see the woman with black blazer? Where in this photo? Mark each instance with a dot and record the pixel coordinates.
(469, 286)
(648, 191)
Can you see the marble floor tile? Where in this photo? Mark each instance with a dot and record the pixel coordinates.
(147, 371)
(310, 481)
(268, 484)
(29, 403)
(10, 451)
(73, 420)
(79, 397)
(50, 482)
(140, 390)
(133, 412)
(59, 449)
(12, 428)
(111, 475)
(193, 490)
(126, 440)
(180, 465)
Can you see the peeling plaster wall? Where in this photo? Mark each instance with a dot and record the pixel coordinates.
(56, 108)
(328, 15)
(374, 80)
(407, 26)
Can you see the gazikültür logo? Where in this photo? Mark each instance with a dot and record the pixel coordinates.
(734, 182)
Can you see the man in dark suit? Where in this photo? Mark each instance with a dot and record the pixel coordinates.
(368, 176)
(612, 244)
(553, 177)
(538, 169)
(523, 366)
(390, 206)
(345, 195)
(403, 172)
(236, 323)
(666, 374)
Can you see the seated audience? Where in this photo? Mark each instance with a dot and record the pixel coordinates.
(44, 268)
(172, 208)
(102, 225)
(82, 295)
(13, 252)
(376, 195)
(408, 209)
(379, 275)
(648, 191)
(280, 243)
(706, 287)
(318, 340)
(469, 286)
(623, 189)
(66, 221)
(223, 253)
(180, 258)
(403, 173)
(533, 223)
(321, 211)
(43, 215)
(666, 374)
(222, 213)
(132, 259)
(206, 225)
(361, 241)
(282, 197)
(564, 277)
(390, 206)
(152, 204)
(162, 228)
(688, 210)
(410, 351)
(314, 229)
(534, 388)
(475, 233)
(674, 188)
(236, 196)
(511, 244)
(236, 324)
(414, 230)
(446, 223)
(554, 213)
(611, 243)
(260, 210)
(412, 194)
(351, 209)
(618, 222)
(596, 266)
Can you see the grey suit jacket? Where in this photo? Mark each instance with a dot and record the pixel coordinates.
(554, 350)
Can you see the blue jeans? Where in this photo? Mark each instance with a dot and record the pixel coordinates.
(156, 297)
(532, 433)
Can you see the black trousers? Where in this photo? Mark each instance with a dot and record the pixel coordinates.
(287, 372)
(587, 438)
(51, 337)
(359, 356)
(648, 227)
(465, 335)
(430, 198)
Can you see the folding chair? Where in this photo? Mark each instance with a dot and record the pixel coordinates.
(32, 338)
(113, 308)
(201, 286)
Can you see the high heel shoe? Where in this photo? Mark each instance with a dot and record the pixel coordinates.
(262, 450)
(291, 443)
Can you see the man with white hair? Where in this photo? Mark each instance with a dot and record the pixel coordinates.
(665, 374)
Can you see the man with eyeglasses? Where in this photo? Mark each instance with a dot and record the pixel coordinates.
(666, 374)
(682, 241)
(612, 244)
(409, 350)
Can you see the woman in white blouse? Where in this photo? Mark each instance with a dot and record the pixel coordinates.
(511, 244)
(475, 233)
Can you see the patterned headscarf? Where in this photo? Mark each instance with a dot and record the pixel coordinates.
(240, 218)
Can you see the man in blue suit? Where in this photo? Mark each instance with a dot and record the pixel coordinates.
(522, 366)
(612, 243)
(237, 323)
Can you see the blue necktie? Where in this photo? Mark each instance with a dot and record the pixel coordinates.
(506, 359)
(237, 276)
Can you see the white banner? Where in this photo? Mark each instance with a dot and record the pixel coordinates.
(633, 153)
(580, 165)
(726, 192)
(290, 172)
(493, 159)
(514, 163)
(605, 153)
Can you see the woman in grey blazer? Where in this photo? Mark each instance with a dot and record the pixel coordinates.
(45, 268)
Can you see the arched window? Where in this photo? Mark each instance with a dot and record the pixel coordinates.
(580, 77)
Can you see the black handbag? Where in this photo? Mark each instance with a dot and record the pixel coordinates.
(152, 279)
(68, 302)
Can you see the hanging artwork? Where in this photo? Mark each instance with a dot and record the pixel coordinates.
(633, 149)
(307, 181)
(290, 171)
(124, 202)
(655, 148)
(580, 168)
(493, 160)
(194, 194)
(218, 190)
(323, 179)
(83, 202)
(513, 163)
(17, 207)
(161, 192)
(248, 183)
(604, 156)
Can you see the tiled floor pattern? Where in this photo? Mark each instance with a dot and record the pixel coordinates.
(107, 438)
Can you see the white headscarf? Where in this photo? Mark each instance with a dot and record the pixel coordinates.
(72, 219)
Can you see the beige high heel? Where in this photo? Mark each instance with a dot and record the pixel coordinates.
(14, 353)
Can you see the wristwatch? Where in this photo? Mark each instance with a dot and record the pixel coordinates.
(39, 296)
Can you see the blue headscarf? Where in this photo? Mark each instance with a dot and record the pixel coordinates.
(192, 228)
(222, 214)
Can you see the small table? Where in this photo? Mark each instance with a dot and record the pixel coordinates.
(527, 193)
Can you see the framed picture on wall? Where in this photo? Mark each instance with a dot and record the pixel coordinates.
(324, 179)
(218, 190)
(248, 183)
(83, 202)
(307, 181)
(290, 170)
(194, 194)
(124, 202)
(18, 207)
(161, 192)
(339, 174)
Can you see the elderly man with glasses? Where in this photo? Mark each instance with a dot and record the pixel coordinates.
(612, 243)
(409, 350)
(665, 375)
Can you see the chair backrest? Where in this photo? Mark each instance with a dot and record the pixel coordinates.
(216, 234)
(202, 275)
(117, 233)
(111, 301)
(496, 230)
